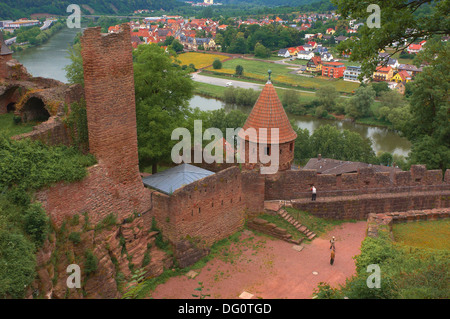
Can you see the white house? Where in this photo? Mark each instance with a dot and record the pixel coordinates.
(308, 47)
(352, 73)
(305, 55)
(284, 53)
(393, 63)
(326, 56)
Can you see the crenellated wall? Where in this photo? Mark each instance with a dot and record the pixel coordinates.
(297, 184)
(212, 208)
(359, 206)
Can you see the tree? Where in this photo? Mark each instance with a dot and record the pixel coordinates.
(261, 51)
(327, 96)
(429, 126)
(388, 101)
(163, 91)
(400, 20)
(403, 22)
(380, 87)
(217, 64)
(341, 145)
(74, 70)
(239, 70)
(360, 103)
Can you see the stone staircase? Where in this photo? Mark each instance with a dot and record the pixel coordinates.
(277, 206)
(291, 220)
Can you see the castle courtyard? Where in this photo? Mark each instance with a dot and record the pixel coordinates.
(270, 268)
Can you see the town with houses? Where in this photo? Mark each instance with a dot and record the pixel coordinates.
(318, 57)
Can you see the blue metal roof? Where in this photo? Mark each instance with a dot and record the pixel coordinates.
(174, 178)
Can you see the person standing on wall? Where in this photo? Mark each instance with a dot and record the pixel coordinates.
(314, 192)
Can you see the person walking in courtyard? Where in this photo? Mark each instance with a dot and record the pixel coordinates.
(313, 191)
(332, 243)
(332, 257)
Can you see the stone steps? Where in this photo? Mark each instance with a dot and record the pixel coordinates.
(301, 228)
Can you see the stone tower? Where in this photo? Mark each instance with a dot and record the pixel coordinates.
(269, 113)
(5, 56)
(110, 102)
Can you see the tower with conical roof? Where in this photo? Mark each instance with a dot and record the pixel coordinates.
(268, 113)
(5, 56)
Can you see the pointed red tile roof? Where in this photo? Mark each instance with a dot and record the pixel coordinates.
(268, 113)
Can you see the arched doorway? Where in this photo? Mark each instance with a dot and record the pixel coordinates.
(11, 107)
(34, 110)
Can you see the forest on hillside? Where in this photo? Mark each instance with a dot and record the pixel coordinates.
(14, 9)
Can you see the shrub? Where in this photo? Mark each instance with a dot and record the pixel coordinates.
(17, 270)
(217, 64)
(75, 237)
(239, 70)
(146, 260)
(91, 263)
(35, 223)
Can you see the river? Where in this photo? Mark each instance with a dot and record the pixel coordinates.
(384, 140)
(50, 59)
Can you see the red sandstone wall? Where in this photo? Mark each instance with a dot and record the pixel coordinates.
(51, 132)
(358, 207)
(285, 159)
(297, 184)
(4, 71)
(210, 209)
(97, 194)
(110, 102)
(114, 185)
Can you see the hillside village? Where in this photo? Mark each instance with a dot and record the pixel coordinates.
(320, 58)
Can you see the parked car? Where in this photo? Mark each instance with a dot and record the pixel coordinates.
(229, 83)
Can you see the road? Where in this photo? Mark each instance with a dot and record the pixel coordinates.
(223, 82)
(45, 26)
(240, 84)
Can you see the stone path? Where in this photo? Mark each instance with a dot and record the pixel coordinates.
(268, 268)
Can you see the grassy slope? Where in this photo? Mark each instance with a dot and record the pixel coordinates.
(7, 125)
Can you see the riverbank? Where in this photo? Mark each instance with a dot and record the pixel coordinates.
(29, 38)
(217, 92)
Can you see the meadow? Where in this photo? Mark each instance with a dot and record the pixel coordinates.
(199, 60)
(281, 75)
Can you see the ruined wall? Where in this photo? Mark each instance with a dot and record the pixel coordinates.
(110, 102)
(114, 185)
(51, 132)
(4, 70)
(297, 184)
(358, 207)
(208, 210)
(376, 221)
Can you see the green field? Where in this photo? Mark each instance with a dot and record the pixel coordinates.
(424, 234)
(217, 92)
(282, 75)
(8, 126)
